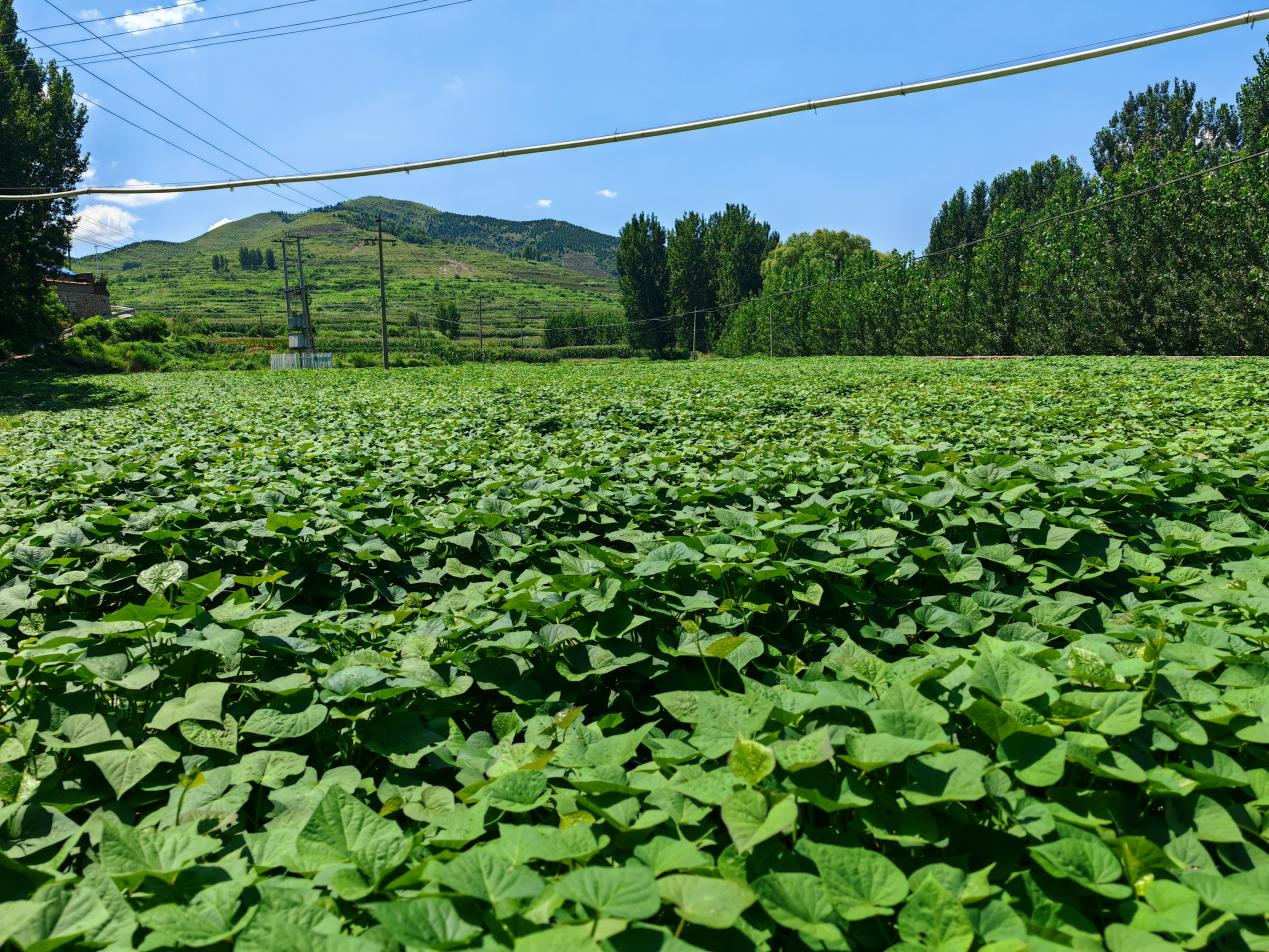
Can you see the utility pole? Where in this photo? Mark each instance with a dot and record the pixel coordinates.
(308, 320)
(771, 332)
(383, 300)
(693, 335)
(383, 293)
(480, 325)
(286, 283)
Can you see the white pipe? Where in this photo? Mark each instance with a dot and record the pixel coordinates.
(1212, 26)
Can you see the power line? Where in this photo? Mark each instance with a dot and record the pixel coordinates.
(163, 26)
(267, 33)
(96, 240)
(99, 19)
(96, 105)
(108, 227)
(963, 79)
(101, 228)
(155, 135)
(197, 106)
(93, 59)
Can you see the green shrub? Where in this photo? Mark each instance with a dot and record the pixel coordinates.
(417, 360)
(95, 328)
(148, 328)
(88, 354)
(184, 325)
(599, 350)
(358, 358)
(144, 356)
(522, 355)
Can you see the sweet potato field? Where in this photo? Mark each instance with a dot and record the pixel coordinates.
(829, 654)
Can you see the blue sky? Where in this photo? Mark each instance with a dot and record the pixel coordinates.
(494, 73)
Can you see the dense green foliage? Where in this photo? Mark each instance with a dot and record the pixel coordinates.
(249, 259)
(136, 345)
(584, 329)
(716, 655)
(671, 282)
(1038, 262)
(643, 278)
(40, 128)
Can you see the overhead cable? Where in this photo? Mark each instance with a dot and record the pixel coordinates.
(283, 29)
(100, 19)
(185, 98)
(163, 26)
(903, 89)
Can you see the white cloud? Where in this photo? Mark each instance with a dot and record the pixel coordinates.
(157, 16)
(105, 224)
(544, 203)
(90, 173)
(453, 85)
(137, 201)
(223, 221)
(92, 14)
(606, 193)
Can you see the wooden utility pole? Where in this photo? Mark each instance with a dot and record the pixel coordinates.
(310, 345)
(771, 332)
(383, 291)
(694, 335)
(286, 283)
(480, 324)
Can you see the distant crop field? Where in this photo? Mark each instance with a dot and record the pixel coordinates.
(832, 653)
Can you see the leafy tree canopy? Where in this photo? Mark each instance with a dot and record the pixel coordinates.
(1165, 118)
(1253, 103)
(40, 129)
(641, 269)
(833, 247)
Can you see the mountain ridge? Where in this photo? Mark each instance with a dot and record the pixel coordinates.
(541, 239)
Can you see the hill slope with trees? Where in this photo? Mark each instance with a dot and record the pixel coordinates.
(228, 283)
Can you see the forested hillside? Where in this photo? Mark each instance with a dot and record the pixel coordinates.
(558, 242)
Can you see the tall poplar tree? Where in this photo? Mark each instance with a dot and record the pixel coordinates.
(40, 129)
(1166, 118)
(643, 279)
(738, 244)
(691, 280)
(1253, 104)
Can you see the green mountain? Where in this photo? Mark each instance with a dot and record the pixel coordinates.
(570, 246)
(437, 259)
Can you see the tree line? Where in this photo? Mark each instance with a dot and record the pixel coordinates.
(584, 329)
(249, 259)
(686, 271)
(1054, 259)
(1047, 259)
